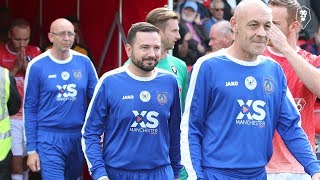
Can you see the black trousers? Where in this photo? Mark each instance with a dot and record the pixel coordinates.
(5, 167)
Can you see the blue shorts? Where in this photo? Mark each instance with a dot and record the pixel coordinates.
(164, 172)
(212, 174)
(60, 154)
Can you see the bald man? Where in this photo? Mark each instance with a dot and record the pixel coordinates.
(235, 102)
(59, 84)
(221, 36)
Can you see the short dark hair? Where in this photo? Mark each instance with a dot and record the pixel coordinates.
(160, 16)
(22, 23)
(140, 27)
(292, 8)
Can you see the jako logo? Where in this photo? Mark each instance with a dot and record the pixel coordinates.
(150, 116)
(232, 83)
(256, 106)
(67, 90)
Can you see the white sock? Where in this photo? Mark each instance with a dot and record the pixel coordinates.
(17, 176)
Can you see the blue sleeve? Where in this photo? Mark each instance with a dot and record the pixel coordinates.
(31, 103)
(174, 130)
(92, 81)
(289, 128)
(192, 122)
(92, 130)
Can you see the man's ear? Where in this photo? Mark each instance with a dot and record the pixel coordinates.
(234, 25)
(128, 50)
(9, 34)
(295, 27)
(162, 31)
(50, 37)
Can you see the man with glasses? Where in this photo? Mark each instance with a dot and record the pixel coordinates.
(78, 44)
(216, 9)
(59, 85)
(15, 55)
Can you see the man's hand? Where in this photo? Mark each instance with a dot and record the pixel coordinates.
(197, 19)
(25, 64)
(316, 176)
(34, 162)
(20, 62)
(188, 36)
(22, 56)
(200, 48)
(278, 39)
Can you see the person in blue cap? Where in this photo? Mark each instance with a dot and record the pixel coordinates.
(192, 44)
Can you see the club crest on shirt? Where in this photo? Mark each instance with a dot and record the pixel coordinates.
(162, 98)
(174, 70)
(145, 96)
(250, 82)
(77, 74)
(268, 85)
(65, 75)
(300, 102)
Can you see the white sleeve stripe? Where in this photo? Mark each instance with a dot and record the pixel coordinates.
(39, 57)
(184, 127)
(95, 72)
(96, 89)
(290, 97)
(85, 122)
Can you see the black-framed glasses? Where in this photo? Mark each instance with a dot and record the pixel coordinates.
(63, 34)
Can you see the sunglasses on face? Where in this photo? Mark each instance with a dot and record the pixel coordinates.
(218, 9)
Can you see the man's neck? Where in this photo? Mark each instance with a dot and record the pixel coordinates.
(164, 54)
(213, 18)
(60, 55)
(139, 72)
(240, 54)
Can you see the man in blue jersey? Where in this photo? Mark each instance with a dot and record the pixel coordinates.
(167, 21)
(235, 102)
(58, 87)
(137, 107)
